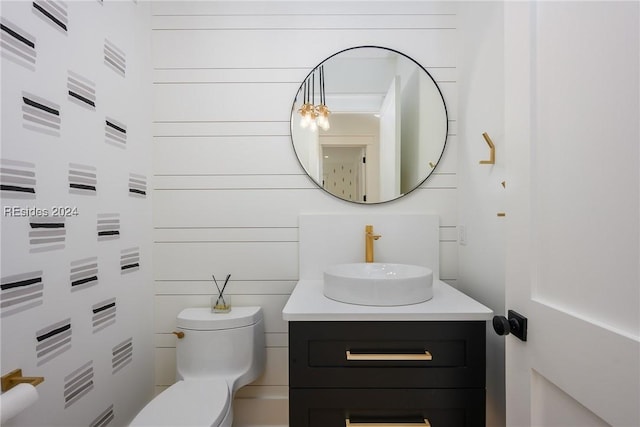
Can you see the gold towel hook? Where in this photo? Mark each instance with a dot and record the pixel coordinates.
(15, 377)
(492, 151)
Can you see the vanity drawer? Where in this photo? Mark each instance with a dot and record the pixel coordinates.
(387, 354)
(332, 407)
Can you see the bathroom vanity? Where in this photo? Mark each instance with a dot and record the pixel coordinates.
(413, 365)
(357, 365)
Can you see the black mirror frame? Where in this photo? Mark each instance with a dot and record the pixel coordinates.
(446, 112)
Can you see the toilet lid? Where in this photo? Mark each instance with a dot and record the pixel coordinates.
(202, 319)
(187, 403)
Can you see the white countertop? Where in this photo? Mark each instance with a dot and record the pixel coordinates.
(308, 303)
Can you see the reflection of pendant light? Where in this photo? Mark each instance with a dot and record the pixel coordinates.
(306, 111)
(323, 111)
(314, 116)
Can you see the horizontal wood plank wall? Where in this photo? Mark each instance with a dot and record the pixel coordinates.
(227, 186)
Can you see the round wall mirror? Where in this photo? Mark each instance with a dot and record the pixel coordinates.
(369, 124)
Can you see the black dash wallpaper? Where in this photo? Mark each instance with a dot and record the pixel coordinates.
(17, 179)
(17, 44)
(76, 288)
(84, 273)
(40, 114)
(54, 12)
(82, 179)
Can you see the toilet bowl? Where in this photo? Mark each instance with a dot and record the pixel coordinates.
(218, 354)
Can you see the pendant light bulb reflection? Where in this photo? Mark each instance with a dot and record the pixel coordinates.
(314, 116)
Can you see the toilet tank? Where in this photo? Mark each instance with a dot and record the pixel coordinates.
(229, 345)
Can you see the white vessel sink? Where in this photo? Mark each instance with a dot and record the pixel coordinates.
(378, 283)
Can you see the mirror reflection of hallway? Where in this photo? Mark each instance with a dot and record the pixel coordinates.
(378, 98)
(343, 172)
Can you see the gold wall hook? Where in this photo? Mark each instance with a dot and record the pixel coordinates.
(15, 377)
(492, 151)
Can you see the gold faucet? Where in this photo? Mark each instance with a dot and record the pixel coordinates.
(369, 237)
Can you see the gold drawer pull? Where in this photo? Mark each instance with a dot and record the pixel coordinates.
(424, 423)
(389, 356)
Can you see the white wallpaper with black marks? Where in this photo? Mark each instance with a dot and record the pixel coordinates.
(82, 179)
(104, 314)
(115, 132)
(104, 418)
(47, 233)
(53, 12)
(82, 91)
(137, 185)
(78, 383)
(21, 292)
(84, 273)
(53, 340)
(108, 226)
(17, 179)
(75, 283)
(122, 355)
(17, 44)
(115, 58)
(41, 115)
(129, 260)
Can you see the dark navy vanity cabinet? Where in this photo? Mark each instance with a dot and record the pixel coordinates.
(370, 373)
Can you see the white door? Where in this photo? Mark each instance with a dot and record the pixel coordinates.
(343, 172)
(390, 142)
(573, 188)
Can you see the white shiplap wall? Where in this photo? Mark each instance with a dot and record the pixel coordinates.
(227, 186)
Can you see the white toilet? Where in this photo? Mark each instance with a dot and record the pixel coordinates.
(218, 354)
